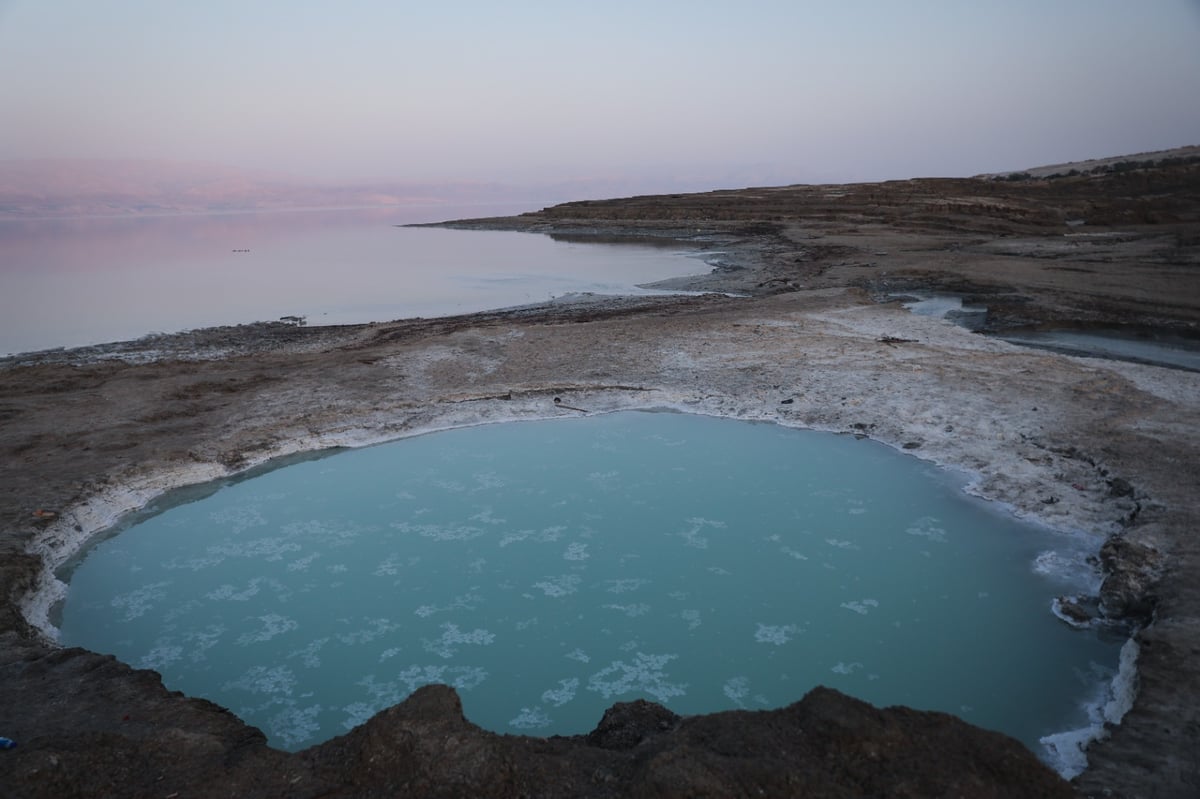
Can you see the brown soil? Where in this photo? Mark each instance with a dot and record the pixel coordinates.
(1081, 444)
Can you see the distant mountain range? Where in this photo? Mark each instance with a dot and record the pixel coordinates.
(90, 187)
(95, 187)
(118, 187)
(1093, 165)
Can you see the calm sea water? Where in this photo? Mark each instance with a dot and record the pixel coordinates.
(70, 282)
(550, 569)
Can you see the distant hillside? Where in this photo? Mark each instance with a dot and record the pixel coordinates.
(1097, 165)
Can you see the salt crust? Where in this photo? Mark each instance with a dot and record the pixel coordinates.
(1068, 750)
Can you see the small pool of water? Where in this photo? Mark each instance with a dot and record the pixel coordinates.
(947, 306)
(550, 569)
(1154, 347)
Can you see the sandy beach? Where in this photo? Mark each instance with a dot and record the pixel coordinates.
(805, 328)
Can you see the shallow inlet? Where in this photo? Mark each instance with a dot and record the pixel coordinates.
(1154, 348)
(1147, 346)
(549, 569)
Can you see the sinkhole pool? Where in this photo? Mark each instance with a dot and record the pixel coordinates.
(549, 569)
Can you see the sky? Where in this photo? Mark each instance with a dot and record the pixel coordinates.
(529, 92)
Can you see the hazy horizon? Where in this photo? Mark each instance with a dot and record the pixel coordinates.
(657, 96)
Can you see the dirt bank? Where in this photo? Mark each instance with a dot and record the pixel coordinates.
(1096, 447)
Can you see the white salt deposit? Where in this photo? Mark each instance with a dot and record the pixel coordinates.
(1067, 751)
(776, 634)
(645, 674)
(530, 718)
(737, 689)
(861, 607)
(563, 694)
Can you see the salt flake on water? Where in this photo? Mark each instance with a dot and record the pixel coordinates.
(777, 634)
(452, 637)
(530, 718)
(861, 607)
(563, 694)
(644, 675)
(560, 586)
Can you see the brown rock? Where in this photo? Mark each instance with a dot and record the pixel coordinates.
(115, 731)
(1131, 571)
(1073, 610)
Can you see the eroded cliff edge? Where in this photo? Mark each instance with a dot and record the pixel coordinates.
(1102, 447)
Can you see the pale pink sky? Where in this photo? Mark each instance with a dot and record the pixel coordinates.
(527, 92)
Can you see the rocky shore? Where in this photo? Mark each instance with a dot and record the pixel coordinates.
(808, 330)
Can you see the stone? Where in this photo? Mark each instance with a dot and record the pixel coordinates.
(1131, 571)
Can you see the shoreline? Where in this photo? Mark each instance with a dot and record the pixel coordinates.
(1080, 444)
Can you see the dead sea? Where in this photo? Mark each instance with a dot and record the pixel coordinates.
(1100, 448)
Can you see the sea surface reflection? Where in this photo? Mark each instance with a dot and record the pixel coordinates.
(73, 282)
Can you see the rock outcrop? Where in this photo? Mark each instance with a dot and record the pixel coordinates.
(115, 731)
(1131, 570)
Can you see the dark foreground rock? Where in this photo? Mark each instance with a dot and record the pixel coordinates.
(114, 731)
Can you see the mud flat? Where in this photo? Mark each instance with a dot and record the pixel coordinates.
(1089, 447)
